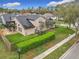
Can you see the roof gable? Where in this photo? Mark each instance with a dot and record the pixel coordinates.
(33, 17)
(25, 22)
(7, 17)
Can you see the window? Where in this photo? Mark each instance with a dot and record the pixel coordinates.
(20, 29)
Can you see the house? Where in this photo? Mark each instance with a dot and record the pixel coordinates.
(26, 24)
(6, 18)
(7, 21)
(49, 15)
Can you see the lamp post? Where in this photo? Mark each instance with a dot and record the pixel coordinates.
(18, 51)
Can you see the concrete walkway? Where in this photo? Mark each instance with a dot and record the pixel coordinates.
(72, 53)
(50, 50)
(66, 25)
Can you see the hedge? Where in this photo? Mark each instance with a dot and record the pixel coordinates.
(37, 41)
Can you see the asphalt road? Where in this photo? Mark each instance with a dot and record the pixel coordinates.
(72, 53)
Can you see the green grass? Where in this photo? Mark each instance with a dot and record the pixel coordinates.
(63, 30)
(37, 41)
(4, 54)
(15, 38)
(60, 34)
(61, 50)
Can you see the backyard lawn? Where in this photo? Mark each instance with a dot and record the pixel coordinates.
(16, 38)
(60, 34)
(35, 42)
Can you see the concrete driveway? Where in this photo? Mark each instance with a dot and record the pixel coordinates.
(72, 53)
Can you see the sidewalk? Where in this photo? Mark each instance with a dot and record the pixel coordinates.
(50, 50)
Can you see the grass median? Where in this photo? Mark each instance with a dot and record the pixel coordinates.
(61, 50)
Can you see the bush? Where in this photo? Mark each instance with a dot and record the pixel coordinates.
(37, 41)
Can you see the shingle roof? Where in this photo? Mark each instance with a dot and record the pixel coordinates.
(25, 22)
(7, 17)
(48, 15)
(33, 17)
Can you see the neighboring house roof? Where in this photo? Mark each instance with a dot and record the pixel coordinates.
(48, 15)
(7, 17)
(25, 22)
(33, 17)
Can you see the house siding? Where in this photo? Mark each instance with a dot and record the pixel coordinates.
(18, 25)
(37, 24)
(23, 31)
(30, 31)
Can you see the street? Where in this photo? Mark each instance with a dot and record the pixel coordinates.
(72, 53)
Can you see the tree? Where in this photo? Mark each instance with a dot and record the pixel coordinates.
(70, 15)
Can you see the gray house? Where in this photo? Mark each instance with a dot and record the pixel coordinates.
(7, 21)
(25, 25)
(49, 15)
(7, 18)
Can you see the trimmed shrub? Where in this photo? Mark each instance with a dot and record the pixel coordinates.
(37, 41)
